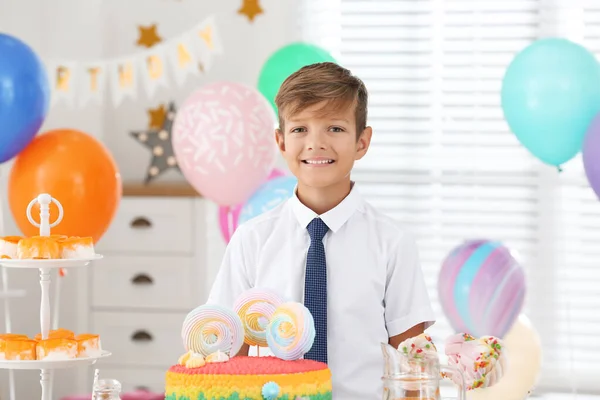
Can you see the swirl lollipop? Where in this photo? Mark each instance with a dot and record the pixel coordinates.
(291, 332)
(481, 360)
(255, 308)
(211, 328)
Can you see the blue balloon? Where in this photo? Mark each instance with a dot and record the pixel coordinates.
(268, 196)
(550, 94)
(24, 96)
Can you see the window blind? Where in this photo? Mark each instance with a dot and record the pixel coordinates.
(444, 162)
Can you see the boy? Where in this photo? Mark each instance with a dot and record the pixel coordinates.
(354, 268)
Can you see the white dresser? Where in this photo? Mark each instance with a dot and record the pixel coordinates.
(155, 270)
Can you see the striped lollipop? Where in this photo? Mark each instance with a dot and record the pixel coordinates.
(291, 332)
(481, 288)
(211, 328)
(255, 308)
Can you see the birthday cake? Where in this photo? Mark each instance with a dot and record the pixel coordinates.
(213, 335)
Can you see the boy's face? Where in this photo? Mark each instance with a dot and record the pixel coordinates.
(320, 147)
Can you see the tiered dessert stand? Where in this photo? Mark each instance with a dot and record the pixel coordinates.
(45, 267)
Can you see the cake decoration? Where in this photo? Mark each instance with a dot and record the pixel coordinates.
(291, 332)
(270, 391)
(210, 328)
(481, 360)
(255, 308)
(217, 357)
(195, 361)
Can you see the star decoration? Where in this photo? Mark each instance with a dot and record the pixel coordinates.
(250, 8)
(157, 117)
(159, 142)
(148, 36)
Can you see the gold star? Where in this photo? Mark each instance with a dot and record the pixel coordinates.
(148, 36)
(250, 8)
(157, 117)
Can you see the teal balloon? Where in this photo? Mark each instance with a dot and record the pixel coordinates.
(285, 62)
(550, 94)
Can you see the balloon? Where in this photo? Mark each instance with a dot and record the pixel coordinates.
(285, 62)
(227, 226)
(481, 288)
(550, 93)
(223, 141)
(591, 155)
(524, 358)
(268, 196)
(24, 96)
(78, 171)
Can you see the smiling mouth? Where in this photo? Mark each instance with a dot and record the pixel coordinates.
(318, 162)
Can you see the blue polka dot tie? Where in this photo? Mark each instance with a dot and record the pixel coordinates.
(315, 288)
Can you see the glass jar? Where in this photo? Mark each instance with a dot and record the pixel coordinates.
(107, 389)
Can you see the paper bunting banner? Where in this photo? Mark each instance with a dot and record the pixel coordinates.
(190, 53)
(183, 59)
(123, 79)
(92, 83)
(154, 69)
(63, 82)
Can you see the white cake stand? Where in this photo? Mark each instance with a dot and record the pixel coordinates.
(45, 267)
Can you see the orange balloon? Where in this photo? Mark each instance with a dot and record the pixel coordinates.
(73, 168)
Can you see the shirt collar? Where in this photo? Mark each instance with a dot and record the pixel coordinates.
(334, 218)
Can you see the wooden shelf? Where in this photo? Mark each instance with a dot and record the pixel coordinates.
(162, 189)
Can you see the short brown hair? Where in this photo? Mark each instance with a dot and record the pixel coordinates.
(319, 82)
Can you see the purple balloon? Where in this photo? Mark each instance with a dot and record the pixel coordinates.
(481, 288)
(591, 154)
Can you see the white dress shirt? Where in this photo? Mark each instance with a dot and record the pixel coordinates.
(375, 286)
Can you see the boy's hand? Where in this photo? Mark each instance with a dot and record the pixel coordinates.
(412, 332)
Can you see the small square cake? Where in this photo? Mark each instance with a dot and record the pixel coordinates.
(38, 247)
(88, 345)
(5, 338)
(76, 247)
(20, 349)
(8, 246)
(56, 349)
(59, 333)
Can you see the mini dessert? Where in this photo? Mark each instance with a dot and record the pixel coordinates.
(56, 349)
(4, 338)
(76, 247)
(481, 360)
(38, 247)
(8, 246)
(88, 345)
(59, 333)
(20, 349)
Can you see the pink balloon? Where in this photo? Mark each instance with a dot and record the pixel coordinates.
(227, 226)
(223, 141)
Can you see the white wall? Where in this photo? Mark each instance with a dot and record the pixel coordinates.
(92, 29)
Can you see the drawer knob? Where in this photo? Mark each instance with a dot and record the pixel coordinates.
(141, 223)
(142, 279)
(141, 336)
